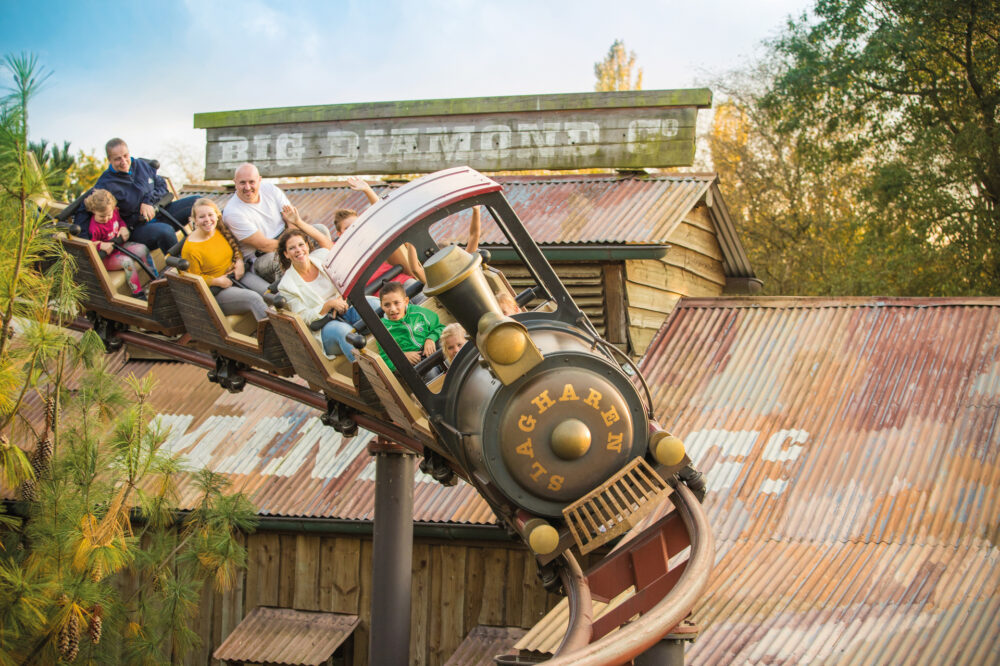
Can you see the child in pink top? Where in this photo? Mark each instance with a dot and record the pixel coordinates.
(105, 226)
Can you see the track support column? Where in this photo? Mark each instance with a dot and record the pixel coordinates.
(389, 632)
(670, 650)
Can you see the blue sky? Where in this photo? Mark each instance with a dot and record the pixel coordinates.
(141, 70)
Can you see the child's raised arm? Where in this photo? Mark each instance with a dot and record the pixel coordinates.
(359, 185)
(473, 245)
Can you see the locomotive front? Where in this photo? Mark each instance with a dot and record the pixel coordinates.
(538, 412)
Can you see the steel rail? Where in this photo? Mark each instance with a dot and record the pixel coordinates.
(631, 640)
(580, 627)
(260, 379)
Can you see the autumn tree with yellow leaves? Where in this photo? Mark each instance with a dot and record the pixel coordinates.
(615, 71)
(82, 463)
(863, 153)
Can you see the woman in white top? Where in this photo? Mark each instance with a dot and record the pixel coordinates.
(309, 292)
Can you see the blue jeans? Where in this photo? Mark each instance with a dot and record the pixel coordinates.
(158, 233)
(154, 235)
(334, 334)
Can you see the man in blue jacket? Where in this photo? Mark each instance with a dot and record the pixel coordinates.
(137, 188)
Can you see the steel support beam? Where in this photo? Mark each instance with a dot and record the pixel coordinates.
(668, 652)
(392, 567)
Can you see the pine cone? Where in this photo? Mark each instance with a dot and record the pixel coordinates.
(41, 457)
(50, 413)
(97, 573)
(96, 622)
(69, 638)
(29, 490)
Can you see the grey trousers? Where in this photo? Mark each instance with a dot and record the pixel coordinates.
(268, 265)
(237, 300)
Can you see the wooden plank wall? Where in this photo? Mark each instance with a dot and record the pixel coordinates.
(456, 586)
(692, 267)
(584, 281)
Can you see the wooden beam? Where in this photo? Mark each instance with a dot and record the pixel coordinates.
(696, 97)
(615, 307)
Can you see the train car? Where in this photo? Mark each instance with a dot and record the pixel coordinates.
(108, 300)
(233, 340)
(550, 423)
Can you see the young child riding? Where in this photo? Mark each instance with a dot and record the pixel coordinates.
(106, 227)
(415, 329)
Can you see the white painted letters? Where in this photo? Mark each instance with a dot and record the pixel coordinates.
(373, 143)
(404, 143)
(494, 141)
(343, 147)
(534, 140)
(453, 144)
(289, 149)
(233, 150)
(585, 136)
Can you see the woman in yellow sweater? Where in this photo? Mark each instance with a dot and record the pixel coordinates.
(213, 253)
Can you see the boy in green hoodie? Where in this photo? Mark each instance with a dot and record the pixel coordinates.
(415, 329)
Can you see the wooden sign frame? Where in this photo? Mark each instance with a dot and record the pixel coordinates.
(629, 129)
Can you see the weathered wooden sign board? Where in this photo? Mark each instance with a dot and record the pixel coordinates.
(632, 129)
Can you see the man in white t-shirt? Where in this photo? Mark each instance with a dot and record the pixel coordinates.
(257, 216)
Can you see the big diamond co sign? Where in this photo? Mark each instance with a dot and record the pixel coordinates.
(632, 129)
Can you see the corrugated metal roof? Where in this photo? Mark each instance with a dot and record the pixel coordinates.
(880, 412)
(853, 463)
(276, 451)
(484, 643)
(572, 209)
(285, 636)
(853, 460)
(548, 633)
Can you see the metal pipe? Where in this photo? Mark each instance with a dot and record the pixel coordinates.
(165, 347)
(284, 387)
(633, 639)
(581, 607)
(392, 557)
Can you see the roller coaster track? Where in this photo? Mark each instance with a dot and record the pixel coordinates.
(576, 648)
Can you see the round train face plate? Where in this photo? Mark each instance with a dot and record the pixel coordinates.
(561, 432)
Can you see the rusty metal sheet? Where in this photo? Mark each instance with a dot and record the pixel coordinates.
(276, 451)
(484, 643)
(564, 209)
(286, 636)
(853, 466)
(878, 412)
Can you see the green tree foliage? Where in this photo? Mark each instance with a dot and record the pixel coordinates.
(55, 164)
(799, 217)
(615, 72)
(82, 175)
(98, 490)
(66, 176)
(909, 89)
